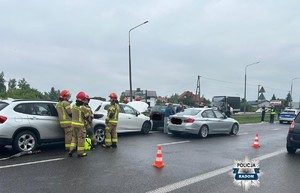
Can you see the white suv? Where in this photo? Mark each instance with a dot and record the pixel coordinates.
(129, 118)
(25, 124)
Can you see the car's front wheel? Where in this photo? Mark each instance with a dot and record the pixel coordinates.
(203, 131)
(146, 127)
(100, 134)
(291, 150)
(234, 129)
(25, 141)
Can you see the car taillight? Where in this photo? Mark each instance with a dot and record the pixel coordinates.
(2, 119)
(190, 120)
(291, 128)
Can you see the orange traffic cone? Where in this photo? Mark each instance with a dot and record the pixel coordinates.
(256, 143)
(158, 161)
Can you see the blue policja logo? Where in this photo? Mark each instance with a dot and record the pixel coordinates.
(246, 173)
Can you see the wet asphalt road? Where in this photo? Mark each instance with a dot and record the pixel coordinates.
(129, 167)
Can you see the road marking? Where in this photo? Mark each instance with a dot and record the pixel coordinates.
(208, 175)
(30, 163)
(274, 129)
(243, 133)
(174, 143)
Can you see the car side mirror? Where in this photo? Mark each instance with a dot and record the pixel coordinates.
(137, 114)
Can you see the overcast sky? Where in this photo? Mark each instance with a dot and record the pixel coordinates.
(82, 45)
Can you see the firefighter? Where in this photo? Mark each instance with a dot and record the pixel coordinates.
(63, 108)
(89, 125)
(111, 121)
(79, 114)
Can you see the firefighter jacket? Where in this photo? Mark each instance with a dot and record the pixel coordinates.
(64, 113)
(79, 115)
(113, 114)
(89, 120)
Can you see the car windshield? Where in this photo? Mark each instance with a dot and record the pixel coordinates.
(3, 105)
(192, 112)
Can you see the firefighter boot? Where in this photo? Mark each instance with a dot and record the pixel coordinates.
(71, 152)
(82, 155)
(114, 145)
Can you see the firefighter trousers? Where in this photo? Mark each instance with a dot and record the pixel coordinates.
(111, 136)
(78, 139)
(68, 136)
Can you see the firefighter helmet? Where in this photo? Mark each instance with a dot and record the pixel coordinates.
(125, 100)
(64, 94)
(81, 96)
(137, 99)
(113, 96)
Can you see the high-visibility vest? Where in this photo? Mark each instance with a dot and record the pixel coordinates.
(64, 113)
(273, 112)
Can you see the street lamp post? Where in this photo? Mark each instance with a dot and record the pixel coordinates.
(130, 82)
(292, 91)
(246, 85)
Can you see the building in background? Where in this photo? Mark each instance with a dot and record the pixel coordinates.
(147, 96)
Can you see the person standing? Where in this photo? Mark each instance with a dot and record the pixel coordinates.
(89, 124)
(79, 114)
(272, 115)
(180, 107)
(263, 113)
(111, 121)
(168, 111)
(63, 108)
(228, 111)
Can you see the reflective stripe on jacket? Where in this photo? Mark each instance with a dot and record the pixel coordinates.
(113, 114)
(79, 115)
(64, 113)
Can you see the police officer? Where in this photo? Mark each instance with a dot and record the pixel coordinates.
(111, 136)
(65, 116)
(272, 115)
(79, 114)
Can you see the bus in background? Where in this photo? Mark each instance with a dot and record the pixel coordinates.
(221, 102)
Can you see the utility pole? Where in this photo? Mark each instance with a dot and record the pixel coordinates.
(198, 90)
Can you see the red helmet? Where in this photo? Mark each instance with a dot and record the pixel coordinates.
(137, 99)
(64, 94)
(113, 96)
(87, 97)
(125, 100)
(81, 96)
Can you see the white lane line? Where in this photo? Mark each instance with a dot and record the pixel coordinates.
(243, 133)
(208, 175)
(275, 129)
(30, 163)
(174, 143)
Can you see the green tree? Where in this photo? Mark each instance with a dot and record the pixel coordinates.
(2, 83)
(12, 84)
(22, 84)
(53, 94)
(288, 99)
(273, 97)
